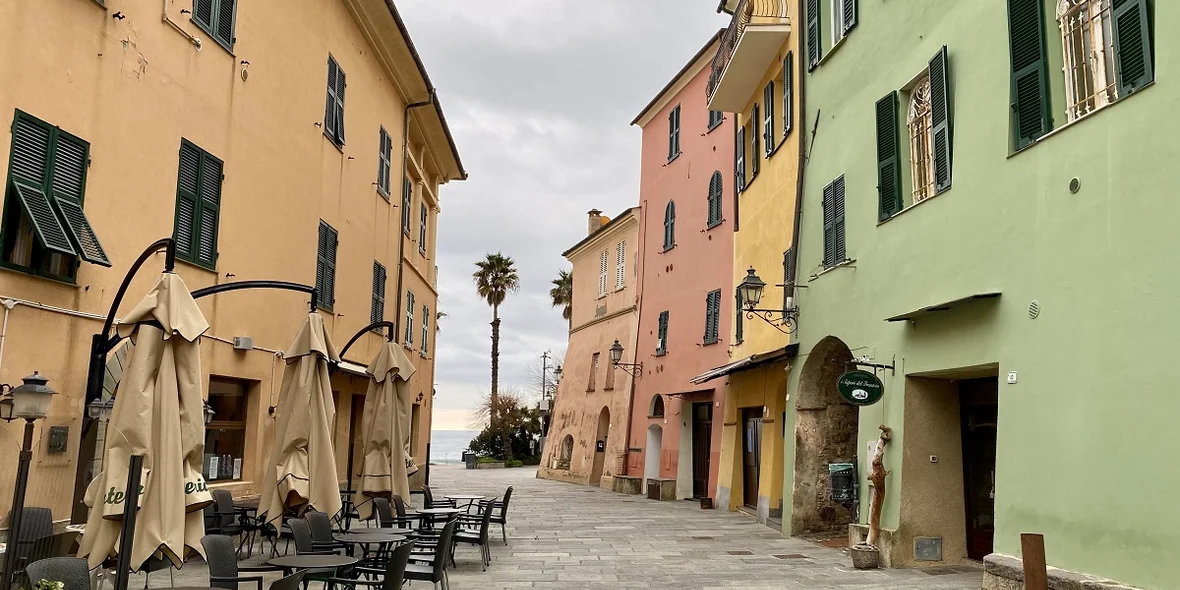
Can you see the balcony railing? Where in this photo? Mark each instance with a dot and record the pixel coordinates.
(747, 12)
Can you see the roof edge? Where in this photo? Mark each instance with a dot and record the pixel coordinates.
(632, 211)
(679, 75)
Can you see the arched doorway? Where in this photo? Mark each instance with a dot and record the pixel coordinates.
(652, 452)
(600, 447)
(825, 432)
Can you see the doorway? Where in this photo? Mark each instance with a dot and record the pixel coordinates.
(702, 429)
(751, 454)
(600, 447)
(978, 409)
(356, 450)
(652, 454)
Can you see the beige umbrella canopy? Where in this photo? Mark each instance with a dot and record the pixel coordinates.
(301, 473)
(385, 430)
(158, 397)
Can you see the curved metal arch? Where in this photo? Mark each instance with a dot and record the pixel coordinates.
(373, 326)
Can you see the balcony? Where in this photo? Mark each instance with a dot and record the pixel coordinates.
(754, 37)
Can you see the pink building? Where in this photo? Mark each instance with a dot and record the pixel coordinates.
(685, 284)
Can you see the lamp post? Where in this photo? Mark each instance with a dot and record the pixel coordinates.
(616, 355)
(29, 401)
(750, 290)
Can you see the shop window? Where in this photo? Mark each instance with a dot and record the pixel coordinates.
(225, 436)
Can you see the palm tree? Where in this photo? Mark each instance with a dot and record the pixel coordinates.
(495, 278)
(562, 293)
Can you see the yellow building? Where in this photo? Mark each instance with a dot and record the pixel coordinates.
(753, 79)
(270, 139)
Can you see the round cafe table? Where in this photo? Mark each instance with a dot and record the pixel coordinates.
(466, 499)
(290, 563)
(365, 539)
(430, 514)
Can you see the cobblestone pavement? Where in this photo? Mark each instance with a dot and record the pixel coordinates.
(567, 536)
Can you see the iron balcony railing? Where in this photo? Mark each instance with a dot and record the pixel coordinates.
(747, 12)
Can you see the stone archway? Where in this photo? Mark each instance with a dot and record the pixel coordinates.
(825, 432)
(600, 444)
(652, 454)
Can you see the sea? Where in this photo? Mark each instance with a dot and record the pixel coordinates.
(447, 446)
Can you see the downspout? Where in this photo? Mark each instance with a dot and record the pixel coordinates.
(401, 250)
(8, 305)
(639, 317)
(191, 39)
(789, 301)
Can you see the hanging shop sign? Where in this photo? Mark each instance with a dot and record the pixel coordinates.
(860, 388)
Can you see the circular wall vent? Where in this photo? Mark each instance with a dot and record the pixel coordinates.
(1034, 309)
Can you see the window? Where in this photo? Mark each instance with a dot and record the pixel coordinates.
(620, 265)
(377, 312)
(715, 194)
(422, 215)
(715, 119)
(602, 265)
(425, 330)
(384, 162)
(739, 327)
(755, 154)
(815, 51)
(593, 372)
(198, 199)
(45, 231)
(918, 119)
(216, 17)
(788, 273)
(768, 118)
(712, 315)
(674, 133)
(788, 93)
(834, 223)
(1107, 50)
(334, 111)
(225, 436)
(567, 452)
(662, 335)
(610, 378)
(655, 409)
(407, 197)
(325, 267)
(669, 225)
(739, 160)
(409, 340)
(843, 18)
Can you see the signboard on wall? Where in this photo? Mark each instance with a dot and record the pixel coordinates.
(860, 388)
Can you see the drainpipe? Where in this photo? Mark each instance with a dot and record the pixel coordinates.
(401, 250)
(191, 39)
(789, 302)
(638, 317)
(8, 305)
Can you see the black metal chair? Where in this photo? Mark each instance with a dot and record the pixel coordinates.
(391, 577)
(71, 571)
(429, 501)
(502, 517)
(321, 531)
(224, 569)
(479, 536)
(290, 582)
(431, 565)
(35, 523)
(304, 542)
(63, 544)
(227, 517)
(387, 517)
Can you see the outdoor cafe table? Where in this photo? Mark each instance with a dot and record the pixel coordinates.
(290, 563)
(367, 538)
(466, 499)
(432, 513)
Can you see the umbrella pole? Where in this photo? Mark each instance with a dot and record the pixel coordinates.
(127, 534)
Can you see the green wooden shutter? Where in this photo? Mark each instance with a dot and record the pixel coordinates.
(407, 196)
(670, 225)
(187, 185)
(1030, 79)
(739, 327)
(662, 331)
(755, 155)
(788, 271)
(46, 227)
(330, 102)
(69, 168)
(739, 161)
(850, 14)
(224, 31)
(814, 42)
(377, 313)
(425, 329)
(30, 151)
(325, 276)
(203, 13)
(838, 219)
(340, 85)
(1132, 45)
(383, 163)
(829, 204)
(788, 93)
(708, 335)
(210, 203)
(423, 214)
(888, 158)
(768, 118)
(409, 339)
(940, 115)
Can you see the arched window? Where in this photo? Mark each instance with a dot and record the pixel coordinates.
(670, 225)
(656, 409)
(567, 448)
(715, 200)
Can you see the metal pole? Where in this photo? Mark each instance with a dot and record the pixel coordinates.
(18, 506)
(127, 534)
(544, 370)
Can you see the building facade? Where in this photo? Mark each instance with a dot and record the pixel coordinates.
(685, 309)
(981, 201)
(753, 79)
(231, 131)
(587, 441)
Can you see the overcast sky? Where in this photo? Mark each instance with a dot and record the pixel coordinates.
(539, 95)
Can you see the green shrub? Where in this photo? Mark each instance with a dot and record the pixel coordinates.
(513, 463)
(482, 460)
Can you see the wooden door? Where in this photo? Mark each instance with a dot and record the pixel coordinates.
(702, 446)
(979, 411)
(751, 454)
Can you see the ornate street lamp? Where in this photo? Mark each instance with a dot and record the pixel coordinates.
(616, 355)
(750, 290)
(29, 401)
(101, 409)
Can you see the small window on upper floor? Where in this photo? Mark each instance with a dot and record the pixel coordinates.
(384, 162)
(842, 16)
(216, 17)
(712, 316)
(833, 205)
(603, 258)
(716, 118)
(407, 199)
(669, 225)
(715, 200)
(620, 265)
(325, 267)
(334, 109)
(674, 133)
(423, 215)
(662, 335)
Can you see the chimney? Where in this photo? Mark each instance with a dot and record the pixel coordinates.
(595, 221)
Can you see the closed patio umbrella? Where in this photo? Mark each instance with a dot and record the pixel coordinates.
(385, 430)
(301, 472)
(158, 413)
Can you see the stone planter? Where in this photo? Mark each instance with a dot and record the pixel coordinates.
(489, 465)
(865, 557)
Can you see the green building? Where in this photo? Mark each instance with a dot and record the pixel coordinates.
(985, 209)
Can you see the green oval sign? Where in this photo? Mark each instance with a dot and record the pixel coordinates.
(860, 388)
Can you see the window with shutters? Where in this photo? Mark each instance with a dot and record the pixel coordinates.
(384, 162)
(739, 160)
(715, 202)
(602, 273)
(620, 265)
(334, 108)
(712, 316)
(674, 133)
(768, 119)
(788, 93)
(1107, 51)
(377, 312)
(198, 205)
(833, 204)
(45, 231)
(593, 372)
(423, 215)
(409, 339)
(715, 119)
(662, 334)
(425, 348)
(921, 142)
(216, 17)
(325, 266)
(669, 225)
(739, 327)
(843, 18)
(755, 153)
(407, 201)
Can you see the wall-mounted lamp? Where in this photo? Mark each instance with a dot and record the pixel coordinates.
(616, 355)
(751, 289)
